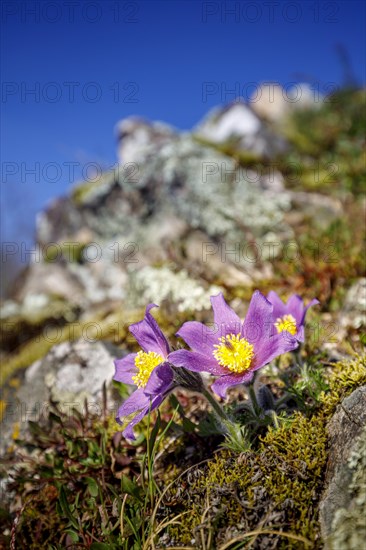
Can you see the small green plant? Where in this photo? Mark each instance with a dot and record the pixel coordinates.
(236, 438)
(309, 386)
(141, 495)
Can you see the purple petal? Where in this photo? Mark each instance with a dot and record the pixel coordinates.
(312, 302)
(300, 336)
(198, 336)
(160, 380)
(225, 318)
(136, 401)
(279, 308)
(196, 362)
(268, 348)
(153, 404)
(224, 382)
(295, 307)
(148, 334)
(258, 323)
(128, 431)
(125, 369)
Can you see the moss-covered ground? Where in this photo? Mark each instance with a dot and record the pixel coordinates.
(75, 483)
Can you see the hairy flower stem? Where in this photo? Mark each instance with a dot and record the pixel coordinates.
(297, 354)
(216, 407)
(256, 407)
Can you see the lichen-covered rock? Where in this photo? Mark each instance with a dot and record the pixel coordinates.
(178, 188)
(207, 190)
(136, 136)
(158, 284)
(120, 222)
(343, 506)
(69, 374)
(181, 178)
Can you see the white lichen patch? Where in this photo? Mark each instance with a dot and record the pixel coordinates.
(152, 284)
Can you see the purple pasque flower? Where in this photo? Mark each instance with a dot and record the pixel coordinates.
(290, 317)
(234, 350)
(148, 369)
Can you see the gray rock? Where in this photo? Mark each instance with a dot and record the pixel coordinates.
(271, 102)
(60, 221)
(179, 179)
(137, 136)
(238, 125)
(268, 102)
(354, 310)
(206, 189)
(49, 279)
(343, 505)
(102, 280)
(45, 284)
(216, 261)
(70, 373)
(321, 209)
(123, 222)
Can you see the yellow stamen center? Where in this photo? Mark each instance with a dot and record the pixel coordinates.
(145, 363)
(235, 353)
(288, 323)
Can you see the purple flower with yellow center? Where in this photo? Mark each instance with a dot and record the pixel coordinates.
(234, 350)
(290, 316)
(148, 369)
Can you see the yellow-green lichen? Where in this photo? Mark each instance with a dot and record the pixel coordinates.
(85, 189)
(70, 251)
(277, 485)
(280, 482)
(344, 377)
(295, 459)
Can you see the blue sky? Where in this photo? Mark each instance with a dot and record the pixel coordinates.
(92, 63)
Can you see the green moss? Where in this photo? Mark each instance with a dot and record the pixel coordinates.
(70, 251)
(296, 457)
(278, 483)
(344, 377)
(281, 479)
